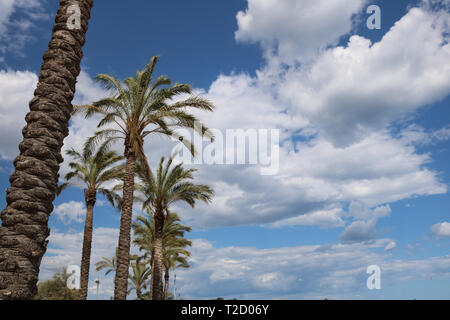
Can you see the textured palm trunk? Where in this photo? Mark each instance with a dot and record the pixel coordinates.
(123, 253)
(90, 197)
(151, 272)
(138, 292)
(157, 281)
(29, 200)
(166, 284)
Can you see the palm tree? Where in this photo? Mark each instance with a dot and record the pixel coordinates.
(133, 111)
(29, 200)
(174, 257)
(144, 232)
(173, 236)
(138, 279)
(106, 263)
(172, 184)
(93, 171)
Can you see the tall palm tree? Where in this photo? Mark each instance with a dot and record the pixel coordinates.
(172, 184)
(139, 277)
(29, 200)
(134, 110)
(173, 235)
(93, 171)
(173, 257)
(144, 232)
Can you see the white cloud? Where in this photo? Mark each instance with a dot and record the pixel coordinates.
(330, 218)
(361, 212)
(337, 162)
(442, 134)
(302, 272)
(294, 30)
(441, 230)
(314, 177)
(16, 90)
(363, 228)
(349, 92)
(70, 212)
(14, 32)
(391, 245)
(359, 231)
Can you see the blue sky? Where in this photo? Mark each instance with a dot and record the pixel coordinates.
(363, 116)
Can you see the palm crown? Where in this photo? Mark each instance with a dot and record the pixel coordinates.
(172, 184)
(140, 107)
(94, 170)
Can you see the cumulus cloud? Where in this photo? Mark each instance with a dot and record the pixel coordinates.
(363, 229)
(314, 272)
(360, 88)
(313, 177)
(16, 90)
(441, 230)
(359, 231)
(325, 161)
(14, 30)
(331, 218)
(295, 30)
(70, 212)
(362, 212)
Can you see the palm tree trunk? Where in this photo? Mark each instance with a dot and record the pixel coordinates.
(90, 197)
(157, 283)
(151, 272)
(138, 292)
(29, 200)
(166, 284)
(123, 254)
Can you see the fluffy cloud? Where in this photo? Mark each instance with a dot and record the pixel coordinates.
(16, 90)
(359, 231)
(14, 31)
(327, 218)
(335, 148)
(312, 272)
(363, 229)
(361, 212)
(294, 30)
(441, 230)
(69, 212)
(351, 91)
(314, 177)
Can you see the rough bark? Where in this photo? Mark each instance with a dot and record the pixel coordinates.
(123, 253)
(29, 200)
(138, 292)
(151, 272)
(157, 281)
(166, 284)
(90, 196)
